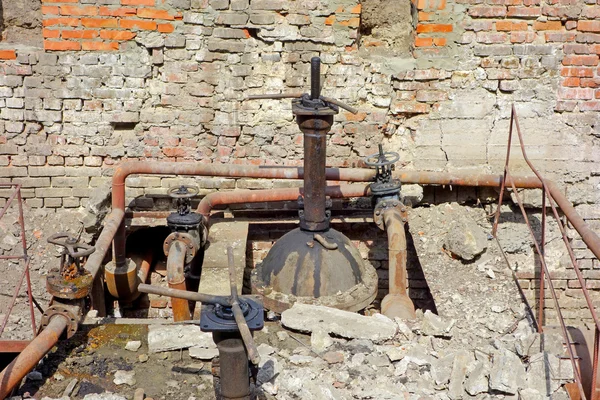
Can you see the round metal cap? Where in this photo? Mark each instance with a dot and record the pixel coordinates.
(322, 268)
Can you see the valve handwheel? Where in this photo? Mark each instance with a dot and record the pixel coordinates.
(74, 248)
(183, 191)
(381, 159)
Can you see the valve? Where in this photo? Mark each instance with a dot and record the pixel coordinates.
(183, 195)
(70, 280)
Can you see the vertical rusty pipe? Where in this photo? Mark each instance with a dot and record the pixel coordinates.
(396, 303)
(314, 177)
(31, 355)
(176, 279)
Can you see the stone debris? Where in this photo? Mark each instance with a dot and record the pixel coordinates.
(308, 318)
(320, 341)
(133, 345)
(508, 373)
(434, 325)
(175, 337)
(466, 240)
(70, 387)
(203, 353)
(124, 378)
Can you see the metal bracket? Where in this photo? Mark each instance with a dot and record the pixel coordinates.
(384, 205)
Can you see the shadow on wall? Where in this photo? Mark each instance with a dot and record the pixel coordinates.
(1, 22)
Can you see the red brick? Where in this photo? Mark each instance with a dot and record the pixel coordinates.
(430, 28)
(51, 33)
(62, 45)
(522, 37)
(487, 12)
(61, 21)
(134, 23)
(50, 10)
(524, 12)
(117, 35)
(117, 12)
(137, 2)
(423, 16)
(154, 13)
(571, 82)
(491, 37)
(75, 10)
(573, 59)
(589, 105)
(330, 20)
(560, 37)
(8, 55)
(102, 46)
(181, 152)
(99, 22)
(403, 107)
(80, 34)
(590, 82)
(547, 26)
(588, 26)
(423, 42)
(576, 93)
(356, 9)
(511, 26)
(439, 41)
(168, 28)
(581, 72)
(351, 22)
(60, 1)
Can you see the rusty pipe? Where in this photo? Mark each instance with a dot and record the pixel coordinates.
(176, 279)
(127, 168)
(145, 265)
(111, 224)
(257, 196)
(396, 303)
(31, 355)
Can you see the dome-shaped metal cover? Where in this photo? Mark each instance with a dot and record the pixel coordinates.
(315, 267)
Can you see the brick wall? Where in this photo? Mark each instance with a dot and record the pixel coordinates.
(166, 80)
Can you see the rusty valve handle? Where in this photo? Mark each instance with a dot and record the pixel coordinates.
(70, 243)
(183, 191)
(315, 90)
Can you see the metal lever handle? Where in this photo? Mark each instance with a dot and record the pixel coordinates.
(238, 314)
(279, 96)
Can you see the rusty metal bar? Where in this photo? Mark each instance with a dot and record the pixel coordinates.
(13, 346)
(192, 296)
(31, 355)
(240, 320)
(14, 298)
(553, 293)
(10, 199)
(595, 390)
(26, 258)
(176, 279)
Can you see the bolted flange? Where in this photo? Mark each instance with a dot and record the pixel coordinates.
(382, 205)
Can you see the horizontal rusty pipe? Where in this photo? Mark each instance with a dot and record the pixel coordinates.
(127, 168)
(257, 196)
(176, 279)
(31, 355)
(396, 303)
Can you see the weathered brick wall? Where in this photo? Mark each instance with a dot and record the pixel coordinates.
(166, 80)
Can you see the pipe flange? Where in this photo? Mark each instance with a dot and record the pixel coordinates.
(384, 205)
(191, 244)
(69, 311)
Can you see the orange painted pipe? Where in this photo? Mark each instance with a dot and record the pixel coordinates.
(176, 280)
(31, 355)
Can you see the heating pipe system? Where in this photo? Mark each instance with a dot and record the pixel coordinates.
(114, 228)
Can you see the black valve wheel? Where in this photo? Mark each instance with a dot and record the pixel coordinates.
(74, 248)
(381, 159)
(183, 191)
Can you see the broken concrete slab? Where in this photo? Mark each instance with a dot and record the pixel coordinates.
(215, 272)
(175, 337)
(202, 353)
(434, 325)
(308, 318)
(508, 373)
(124, 378)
